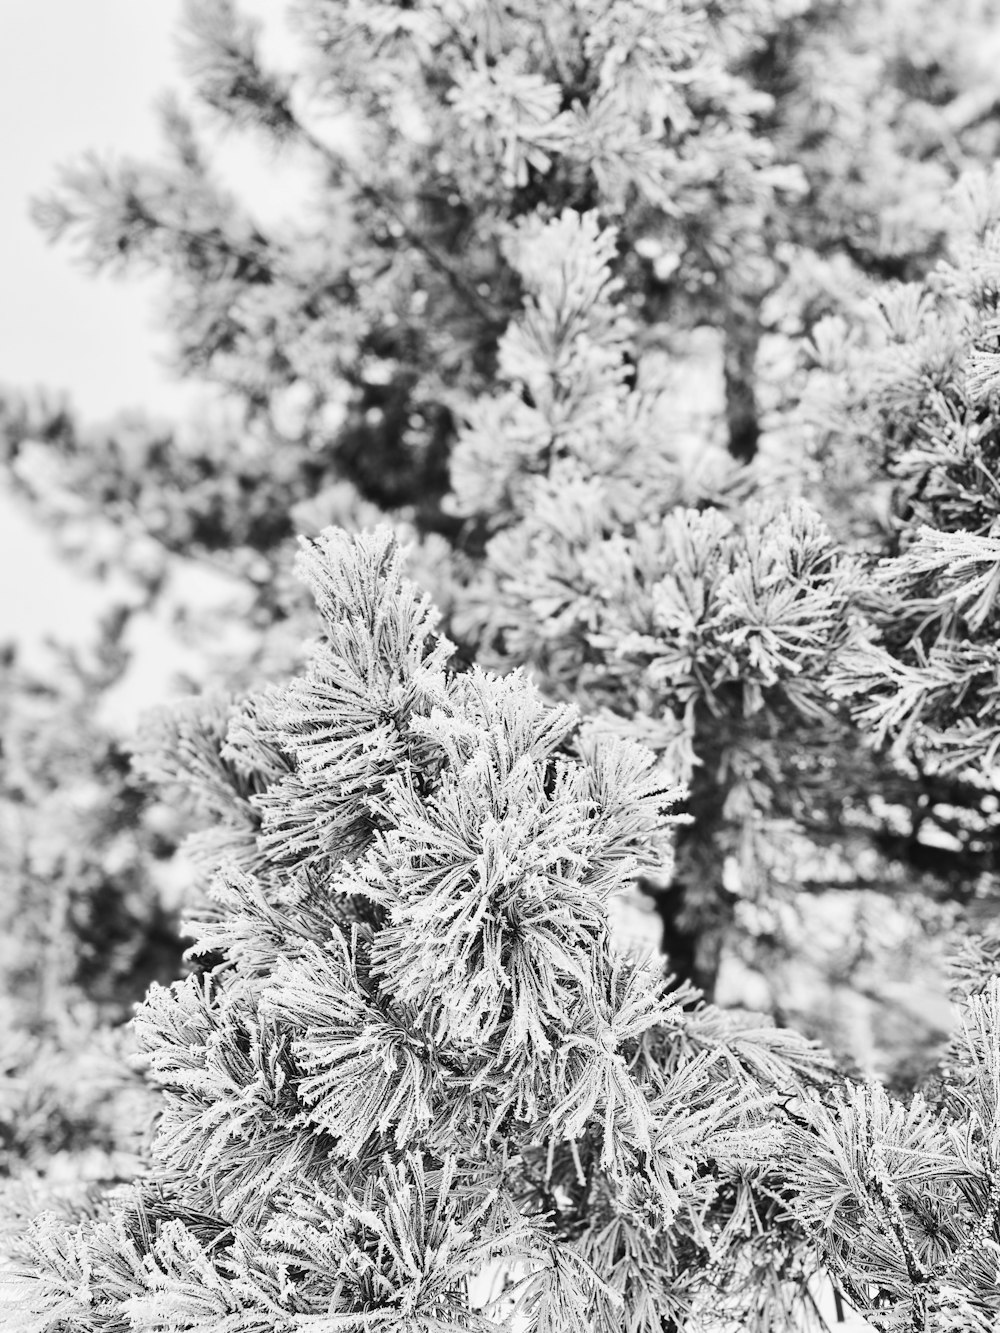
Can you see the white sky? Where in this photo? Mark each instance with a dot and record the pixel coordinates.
(73, 76)
(76, 76)
(79, 76)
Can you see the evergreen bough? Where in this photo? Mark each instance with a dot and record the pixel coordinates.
(413, 1084)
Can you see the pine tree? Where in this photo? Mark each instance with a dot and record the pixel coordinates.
(694, 605)
(415, 1085)
(747, 197)
(355, 341)
(923, 680)
(347, 337)
(904, 1197)
(907, 396)
(363, 1127)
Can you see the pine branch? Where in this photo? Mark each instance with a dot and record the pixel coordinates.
(418, 1014)
(341, 168)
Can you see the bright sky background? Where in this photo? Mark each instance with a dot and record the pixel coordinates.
(74, 75)
(79, 76)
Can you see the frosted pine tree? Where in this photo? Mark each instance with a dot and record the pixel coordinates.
(904, 1196)
(352, 334)
(412, 1083)
(713, 613)
(347, 333)
(652, 584)
(348, 330)
(924, 679)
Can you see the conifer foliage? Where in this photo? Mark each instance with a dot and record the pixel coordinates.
(924, 681)
(351, 333)
(413, 1081)
(905, 1197)
(413, 1084)
(654, 588)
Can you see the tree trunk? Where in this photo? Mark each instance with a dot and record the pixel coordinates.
(693, 933)
(741, 332)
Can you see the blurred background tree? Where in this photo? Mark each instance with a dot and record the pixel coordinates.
(766, 156)
(88, 910)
